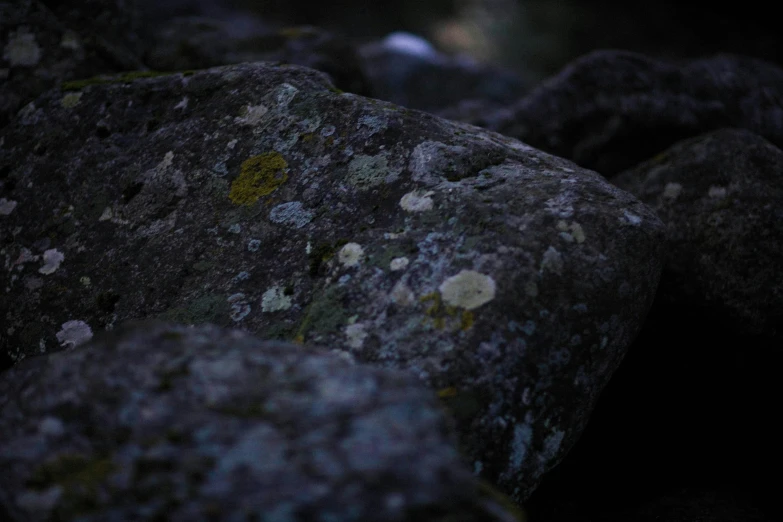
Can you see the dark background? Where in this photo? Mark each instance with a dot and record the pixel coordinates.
(536, 37)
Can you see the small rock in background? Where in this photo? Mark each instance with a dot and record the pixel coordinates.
(611, 110)
(185, 43)
(407, 70)
(721, 197)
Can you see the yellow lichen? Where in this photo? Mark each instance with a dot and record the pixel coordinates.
(450, 391)
(259, 176)
(467, 320)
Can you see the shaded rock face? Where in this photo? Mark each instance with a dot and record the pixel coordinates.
(610, 110)
(160, 421)
(45, 43)
(721, 196)
(253, 195)
(198, 43)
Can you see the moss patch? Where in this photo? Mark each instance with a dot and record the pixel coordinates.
(259, 176)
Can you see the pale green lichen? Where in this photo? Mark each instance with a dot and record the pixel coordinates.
(468, 289)
(365, 172)
(259, 176)
(351, 255)
(70, 100)
(417, 201)
(275, 300)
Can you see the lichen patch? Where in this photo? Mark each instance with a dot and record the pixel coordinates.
(468, 289)
(22, 50)
(671, 191)
(52, 259)
(253, 115)
(71, 100)
(6, 206)
(292, 213)
(417, 201)
(355, 334)
(275, 300)
(259, 176)
(74, 333)
(351, 254)
(398, 263)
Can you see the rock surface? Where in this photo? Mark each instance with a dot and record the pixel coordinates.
(156, 421)
(254, 195)
(721, 196)
(42, 47)
(611, 110)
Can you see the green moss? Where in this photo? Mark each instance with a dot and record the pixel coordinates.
(322, 253)
(325, 313)
(259, 176)
(79, 477)
(204, 309)
(487, 490)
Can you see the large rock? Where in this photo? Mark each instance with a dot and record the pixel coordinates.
(167, 422)
(510, 280)
(721, 197)
(42, 47)
(611, 110)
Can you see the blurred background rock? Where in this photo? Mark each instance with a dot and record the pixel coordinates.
(532, 37)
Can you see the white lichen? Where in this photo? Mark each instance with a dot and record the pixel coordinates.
(74, 333)
(6, 206)
(52, 259)
(468, 289)
(402, 295)
(275, 300)
(633, 219)
(355, 335)
(240, 308)
(351, 254)
(717, 192)
(671, 191)
(417, 201)
(398, 263)
(254, 114)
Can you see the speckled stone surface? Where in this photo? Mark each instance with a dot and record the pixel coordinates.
(157, 421)
(509, 280)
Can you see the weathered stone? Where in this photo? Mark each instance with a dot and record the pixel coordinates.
(721, 196)
(156, 421)
(407, 70)
(198, 43)
(40, 49)
(611, 110)
(510, 280)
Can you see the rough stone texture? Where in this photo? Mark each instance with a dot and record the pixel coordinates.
(611, 110)
(40, 48)
(508, 279)
(156, 421)
(721, 196)
(407, 70)
(198, 43)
